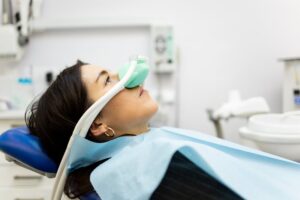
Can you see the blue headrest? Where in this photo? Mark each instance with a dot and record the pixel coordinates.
(26, 148)
(90, 196)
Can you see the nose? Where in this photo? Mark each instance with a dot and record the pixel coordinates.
(115, 76)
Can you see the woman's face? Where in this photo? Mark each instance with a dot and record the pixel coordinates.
(126, 113)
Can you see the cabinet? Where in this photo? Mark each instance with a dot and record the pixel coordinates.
(18, 183)
(291, 86)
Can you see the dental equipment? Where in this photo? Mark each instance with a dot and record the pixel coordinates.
(14, 33)
(291, 84)
(236, 107)
(274, 133)
(137, 71)
(7, 14)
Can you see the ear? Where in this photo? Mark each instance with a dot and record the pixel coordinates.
(97, 128)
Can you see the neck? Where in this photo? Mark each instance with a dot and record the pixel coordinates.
(135, 131)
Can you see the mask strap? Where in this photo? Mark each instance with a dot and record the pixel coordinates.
(83, 126)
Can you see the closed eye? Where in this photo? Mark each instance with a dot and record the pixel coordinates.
(107, 80)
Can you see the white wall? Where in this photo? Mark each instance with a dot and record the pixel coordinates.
(224, 44)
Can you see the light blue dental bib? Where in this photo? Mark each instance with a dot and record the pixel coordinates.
(137, 164)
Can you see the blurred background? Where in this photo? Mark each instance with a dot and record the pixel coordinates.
(214, 65)
(211, 48)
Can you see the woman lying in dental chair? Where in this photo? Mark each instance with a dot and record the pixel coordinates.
(127, 159)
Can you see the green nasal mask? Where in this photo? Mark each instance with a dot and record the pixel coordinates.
(139, 75)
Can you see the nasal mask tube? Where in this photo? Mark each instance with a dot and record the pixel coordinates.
(131, 75)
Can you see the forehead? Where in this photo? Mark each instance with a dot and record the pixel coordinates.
(89, 73)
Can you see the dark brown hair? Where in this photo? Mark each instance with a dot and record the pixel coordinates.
(54, 116)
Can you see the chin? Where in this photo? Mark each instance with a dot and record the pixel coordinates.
(150, 107)
(153, 108)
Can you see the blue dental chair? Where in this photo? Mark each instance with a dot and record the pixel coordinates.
(24, 149)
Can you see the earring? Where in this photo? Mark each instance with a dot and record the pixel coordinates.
(113, 133)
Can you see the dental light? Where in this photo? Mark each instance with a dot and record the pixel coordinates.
(15, 28)
(131, 75)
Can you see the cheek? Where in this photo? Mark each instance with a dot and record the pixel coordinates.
(121, 107)
(128, 108)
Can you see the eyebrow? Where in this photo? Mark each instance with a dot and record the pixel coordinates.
(101, 73)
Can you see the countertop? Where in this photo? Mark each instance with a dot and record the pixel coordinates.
(12, 115)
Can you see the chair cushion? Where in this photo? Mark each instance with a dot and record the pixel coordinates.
(26, 148)
(90, 196)
(19, 144)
